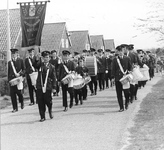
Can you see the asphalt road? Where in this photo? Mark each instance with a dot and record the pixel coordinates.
(95, 125)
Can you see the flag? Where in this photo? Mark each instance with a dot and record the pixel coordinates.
(32, 21)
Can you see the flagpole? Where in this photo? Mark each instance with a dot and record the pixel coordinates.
(8, 34)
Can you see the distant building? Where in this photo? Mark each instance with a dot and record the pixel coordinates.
(97, 42)
(15, 28)
(109, 44)
(80, 40)
(55, 36)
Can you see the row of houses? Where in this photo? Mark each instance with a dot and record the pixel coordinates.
(54, 36)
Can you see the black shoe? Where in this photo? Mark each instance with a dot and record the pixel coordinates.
(50, 114)
(31, 104)
(126, 106)
(70, 106)
(121, 110)
(15, 110)
(42, 119)
(22, 105)
(76, 104)
(65, 109)
(92, 94)
(81, 102)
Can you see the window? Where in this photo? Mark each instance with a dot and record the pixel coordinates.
(2, 56)
(67, 44)
(87, 47)
(62, 43)
(102, 47)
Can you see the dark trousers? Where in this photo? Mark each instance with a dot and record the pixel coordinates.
(132, 90)
(101, 79)
(84, 92)
(70, 90)
(31, 90)
(107, 78)
(43, 100)
(14, 92)
(119, 90)
(78, 95)
(135, 90)
(93, 82)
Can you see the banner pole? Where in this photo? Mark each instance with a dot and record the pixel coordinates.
(8, 34)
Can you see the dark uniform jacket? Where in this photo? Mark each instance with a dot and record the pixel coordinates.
(116, 71)
(56, 64)
(62, 72)
(101, 64)
(81, 70)
(109, 62)
(19, 66)
(132, 58)
(51, 80)
(28, 66)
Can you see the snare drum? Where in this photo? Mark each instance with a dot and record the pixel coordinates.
(125, 79)
(78, 83)
(33, 77)
(67, 79)
(87, 79)
(16, 81)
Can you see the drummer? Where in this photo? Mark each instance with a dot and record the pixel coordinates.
(66, 68)
(117, 73)
(93, 77)
(30, 63)
(15, 69)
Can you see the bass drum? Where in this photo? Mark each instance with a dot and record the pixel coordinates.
(91, 64)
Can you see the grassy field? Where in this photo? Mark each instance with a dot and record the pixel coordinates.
(148, 131)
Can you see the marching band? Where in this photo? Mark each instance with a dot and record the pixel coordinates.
(47, 73)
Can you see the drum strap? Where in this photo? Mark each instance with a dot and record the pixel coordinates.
(13, 67)
(45, 83)
(122, 70)
(66, 69)
(31, 64)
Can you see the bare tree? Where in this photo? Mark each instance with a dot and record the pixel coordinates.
(154, 22)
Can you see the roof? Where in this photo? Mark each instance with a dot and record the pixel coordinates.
(51, 35)
(14, 27)
(109, 44)
(79, 39)
(97, 41)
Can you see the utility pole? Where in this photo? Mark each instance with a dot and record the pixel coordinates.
(8, 34)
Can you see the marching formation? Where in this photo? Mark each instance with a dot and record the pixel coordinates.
(75, 75)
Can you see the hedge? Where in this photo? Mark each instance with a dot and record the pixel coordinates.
(4, 86)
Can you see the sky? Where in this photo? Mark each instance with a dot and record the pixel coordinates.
(114, 19)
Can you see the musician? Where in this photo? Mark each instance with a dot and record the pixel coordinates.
(15, 69)
(66, 68)
(55, 61)
(118, 73)
(108, 72)
(102, 68)
(136, 62)
(133, 60)
(46, 84)
(84, 53)
(93, 77)
(30, 65)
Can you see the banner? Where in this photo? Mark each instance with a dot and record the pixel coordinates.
(32, 22)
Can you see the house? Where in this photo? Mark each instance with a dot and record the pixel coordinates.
(14, 33)
(80, 40)
(109, 44)
(55, 36)
(97, 42)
